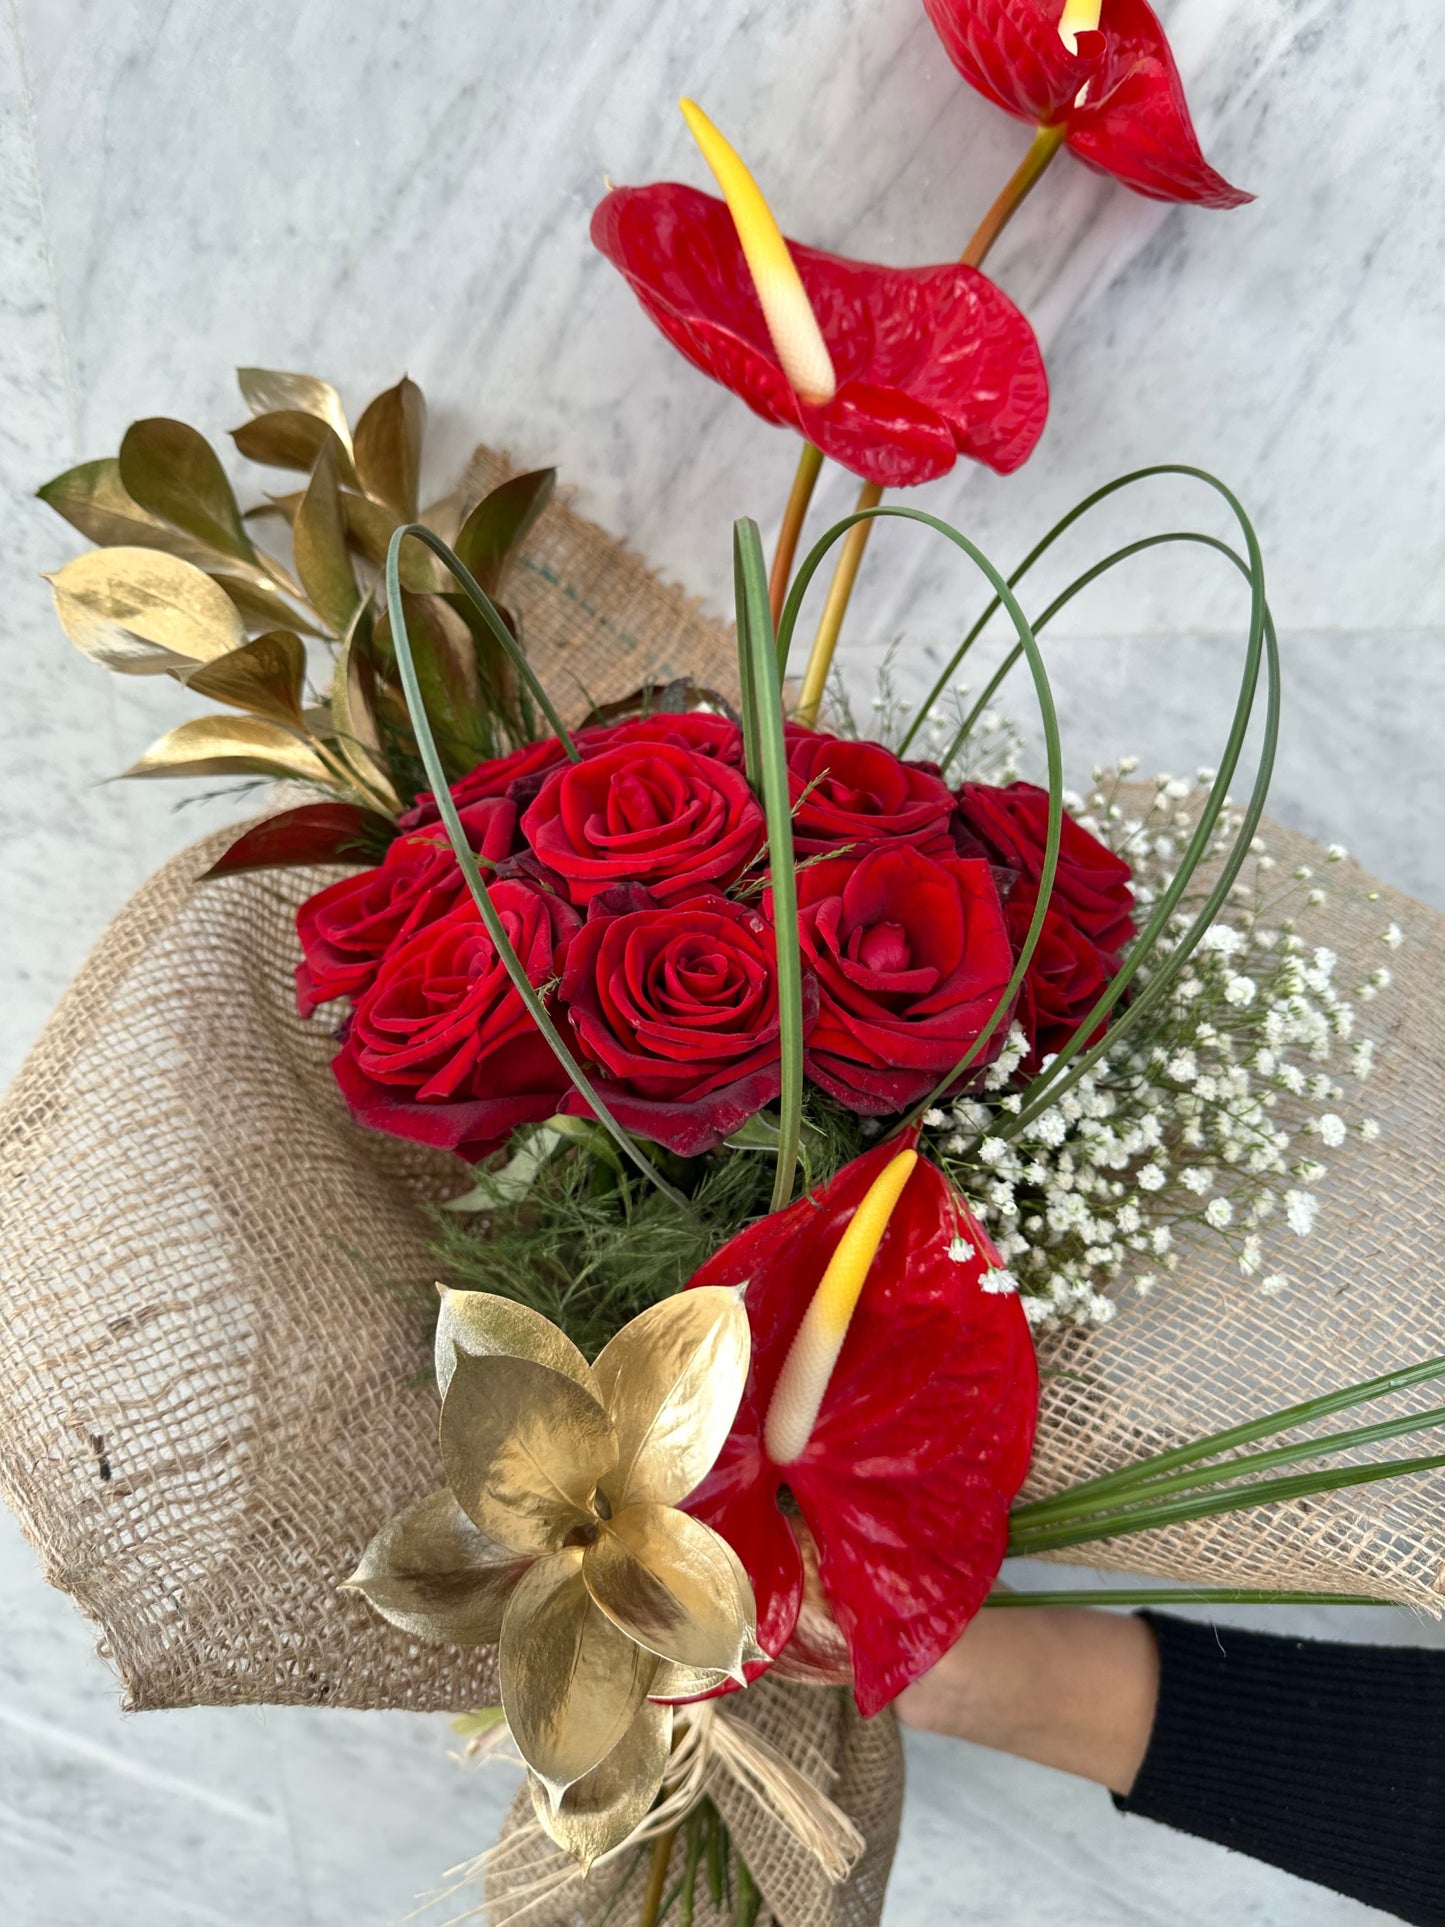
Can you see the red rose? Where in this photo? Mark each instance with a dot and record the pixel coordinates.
(1092, 886)
(651, 813)
(857, 793)
(442, 1049)
(678, 1009)
(911, 953)
(492, 778)
(1067, 975)
(695, 729)
(346, 929)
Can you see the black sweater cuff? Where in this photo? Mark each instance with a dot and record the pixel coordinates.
(1325, 1760)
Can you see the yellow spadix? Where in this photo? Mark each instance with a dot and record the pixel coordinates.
(819, 1339)
(1079, 16)
(793, 326)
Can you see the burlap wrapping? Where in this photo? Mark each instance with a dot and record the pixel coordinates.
(214, 1340)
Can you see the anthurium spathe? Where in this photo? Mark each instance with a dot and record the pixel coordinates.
(1102, 73)
(912, 366)
(922, 1437)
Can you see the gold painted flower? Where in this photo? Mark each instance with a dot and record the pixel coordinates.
(557, 1536)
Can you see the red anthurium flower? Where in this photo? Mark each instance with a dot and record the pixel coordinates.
(921, 1441)
(930, 363)
(1115, 88)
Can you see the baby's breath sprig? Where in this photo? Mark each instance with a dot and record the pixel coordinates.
(1215, 1122)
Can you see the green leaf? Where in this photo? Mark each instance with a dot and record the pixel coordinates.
(491, 535)
(763, 697)
(388, 447)
(318, 538)
(93, 499)
(173, 472)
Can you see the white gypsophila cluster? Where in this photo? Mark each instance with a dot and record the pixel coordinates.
(1212, 1119)
(991, 751)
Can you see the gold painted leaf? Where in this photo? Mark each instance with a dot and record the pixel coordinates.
(266, 390)
(388, 447)
(353, 713)
(231, 746)
(140, 611)
(431, 1573)
(261, 608)
(491, 535)
(523, 1447)
(264, 676)
(572, 1684)
(291, 438)
(686, 1682)
(446, 668)
(669, 1582)
(92, 498)
(369, 524)
(172, 471)
(672, 1381)
(318, 537)
(600, 1810)
(491, 1327)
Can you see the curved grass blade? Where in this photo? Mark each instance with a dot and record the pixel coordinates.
(487, 610)
(456, 836)
(762, 694)
(1047, 715)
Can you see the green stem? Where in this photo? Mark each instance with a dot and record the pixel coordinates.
(1020, 184)
(651, 1908)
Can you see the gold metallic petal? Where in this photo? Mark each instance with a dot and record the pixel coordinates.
(265, 389)
(572, 1684)
(388, 447)
(523, 1447)
(671, 1381)
(231, 746)
(673, 1682)
(670, 1583)
(431, 1573)
(600, 1810)
(318, 537)
(172, 471)
(141, 612)
(491, 1327)
(265, 676)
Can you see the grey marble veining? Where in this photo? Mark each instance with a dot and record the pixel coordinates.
(359, 188)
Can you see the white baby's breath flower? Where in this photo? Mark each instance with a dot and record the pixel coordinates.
(1332, 1129)
(1369, 1130)
(998, 1279)
(961, 1251)
(1240, 991)
(1301, 1210)
(1218, 1213)
(1394, 936)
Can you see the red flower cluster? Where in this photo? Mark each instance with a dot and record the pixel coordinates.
(632, 884)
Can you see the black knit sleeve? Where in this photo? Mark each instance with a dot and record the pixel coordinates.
(1328, 1761)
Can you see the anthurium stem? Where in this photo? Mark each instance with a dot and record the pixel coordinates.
(810, 464)
(840, 590)
(1045, 144)
(656, 1880)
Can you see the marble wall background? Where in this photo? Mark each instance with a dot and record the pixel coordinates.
(358, 188)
